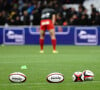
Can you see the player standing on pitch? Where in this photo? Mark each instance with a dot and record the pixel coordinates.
(48, 17)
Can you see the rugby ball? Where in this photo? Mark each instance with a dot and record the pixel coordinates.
(17, 77)
(78, 77)
(55, 77)
(88, 75)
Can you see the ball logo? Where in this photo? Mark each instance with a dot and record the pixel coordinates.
(55, 77)
(14, 78)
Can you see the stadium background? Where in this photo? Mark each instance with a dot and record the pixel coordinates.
(78, 23)
(71, 14)
(27, 12)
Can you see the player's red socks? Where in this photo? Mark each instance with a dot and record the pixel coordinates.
(54, 43)
(41, 43)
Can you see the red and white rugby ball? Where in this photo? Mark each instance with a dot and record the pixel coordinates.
(17, 77)
(88, 75)
(78, 77)
(55, 77)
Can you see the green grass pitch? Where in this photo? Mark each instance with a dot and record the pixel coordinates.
(67, 61)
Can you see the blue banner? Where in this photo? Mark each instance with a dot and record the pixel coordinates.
(86, 36)
(69, 35)
(13, 35)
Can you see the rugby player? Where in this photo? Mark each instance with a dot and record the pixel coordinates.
(48, 18)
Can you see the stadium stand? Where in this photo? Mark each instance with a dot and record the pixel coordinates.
(69, 12)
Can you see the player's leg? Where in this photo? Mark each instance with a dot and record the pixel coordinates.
(42, 35)
(53, 39)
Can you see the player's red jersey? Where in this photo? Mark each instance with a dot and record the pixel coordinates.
(46, 19)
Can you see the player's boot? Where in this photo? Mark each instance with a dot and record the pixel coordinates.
(54, 51)
(41, 51)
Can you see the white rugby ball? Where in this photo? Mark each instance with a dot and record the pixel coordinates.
(88, 75)
(55, 77)
(17, 77)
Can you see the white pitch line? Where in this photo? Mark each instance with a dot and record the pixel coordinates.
(19, 56)
(29, 84)
(19, 62)
(13, 62)
(21, 84)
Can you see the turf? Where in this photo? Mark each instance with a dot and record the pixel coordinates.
(67, 61)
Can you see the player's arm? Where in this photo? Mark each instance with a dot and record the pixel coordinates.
(54, 18)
